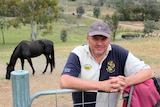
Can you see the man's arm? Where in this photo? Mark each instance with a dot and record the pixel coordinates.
(139, 77)
(111, 85)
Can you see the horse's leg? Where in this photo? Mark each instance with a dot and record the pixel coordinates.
(30, 62)
(22, 63)
(47, 61)
(51, 64)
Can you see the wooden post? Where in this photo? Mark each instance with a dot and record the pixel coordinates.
(20, 88)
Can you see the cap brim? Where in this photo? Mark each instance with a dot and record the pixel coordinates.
(98, 33)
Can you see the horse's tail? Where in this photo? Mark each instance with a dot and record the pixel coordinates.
(52, 56)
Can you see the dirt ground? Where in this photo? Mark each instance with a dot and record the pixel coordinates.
(38, 82)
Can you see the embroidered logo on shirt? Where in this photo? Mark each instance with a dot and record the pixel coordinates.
(67, 70)
(110, 67)
(87, 67)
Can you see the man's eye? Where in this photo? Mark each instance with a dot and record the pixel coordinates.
(104, 39)
(94, 38)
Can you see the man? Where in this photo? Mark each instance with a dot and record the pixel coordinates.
(101, 69)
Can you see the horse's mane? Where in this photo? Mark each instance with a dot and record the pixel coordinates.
(19, 45)
(15, 49)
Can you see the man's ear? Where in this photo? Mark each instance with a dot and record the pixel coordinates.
(87, 37)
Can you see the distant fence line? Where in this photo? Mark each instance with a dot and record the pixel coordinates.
(131, 36)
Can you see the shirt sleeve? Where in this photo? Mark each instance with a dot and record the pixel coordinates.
(133, 65)
(72, 66)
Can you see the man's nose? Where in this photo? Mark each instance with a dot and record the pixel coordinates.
(99, 42)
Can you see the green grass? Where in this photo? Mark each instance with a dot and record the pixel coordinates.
(75, 36)
(146, 49)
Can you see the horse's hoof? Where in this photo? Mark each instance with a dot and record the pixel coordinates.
(7, 77)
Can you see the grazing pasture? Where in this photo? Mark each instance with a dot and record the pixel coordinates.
(146, 49)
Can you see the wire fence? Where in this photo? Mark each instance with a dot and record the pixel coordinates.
(60, 98)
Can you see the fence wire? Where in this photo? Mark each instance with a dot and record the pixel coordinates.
(59, 98)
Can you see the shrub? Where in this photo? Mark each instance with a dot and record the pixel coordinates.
(63, 35)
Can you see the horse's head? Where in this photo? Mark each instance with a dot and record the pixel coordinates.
(9, 70)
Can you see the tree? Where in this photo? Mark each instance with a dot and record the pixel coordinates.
(3, 21)
(63, 35)
(149, 26)
(80, 11)
(123, 8)
(101, 2)
(138, 10)
(3, 25)
(113, 23)
(37, 13)
(96, 11)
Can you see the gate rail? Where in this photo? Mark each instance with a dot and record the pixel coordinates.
(49, 92)
(20, 89)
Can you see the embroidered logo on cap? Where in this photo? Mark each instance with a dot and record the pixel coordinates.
(99, 27)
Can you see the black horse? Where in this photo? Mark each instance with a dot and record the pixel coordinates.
(29, 49)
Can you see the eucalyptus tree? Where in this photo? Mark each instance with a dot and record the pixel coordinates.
(80, 11)
(138, 9)
(96, 11)
(37, 13)
(101, 2)
(113, 22)
(149, 26)
(3, 25)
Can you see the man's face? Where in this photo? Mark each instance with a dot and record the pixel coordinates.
(98, 45)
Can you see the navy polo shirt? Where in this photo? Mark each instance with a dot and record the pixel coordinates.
(81, 64)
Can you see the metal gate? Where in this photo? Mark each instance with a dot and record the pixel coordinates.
(21, 94)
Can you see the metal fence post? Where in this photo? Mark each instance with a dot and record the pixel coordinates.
(20, 88)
